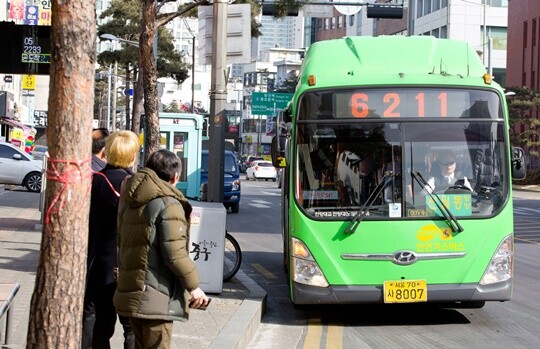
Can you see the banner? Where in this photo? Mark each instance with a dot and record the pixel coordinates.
(45, 12)
(16, 9)
(32, 13)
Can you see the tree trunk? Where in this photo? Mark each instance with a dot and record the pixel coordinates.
(149, 72)
(137, 103)
(57, 301)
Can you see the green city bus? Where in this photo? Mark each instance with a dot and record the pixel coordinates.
(372, 124)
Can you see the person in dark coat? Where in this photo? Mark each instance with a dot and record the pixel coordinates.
(99, 137)
(121, 150)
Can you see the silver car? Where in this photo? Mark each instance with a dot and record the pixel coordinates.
(19, 168)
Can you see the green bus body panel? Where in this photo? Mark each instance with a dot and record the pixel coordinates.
(385, 62)
(393, 60)
(327, 242)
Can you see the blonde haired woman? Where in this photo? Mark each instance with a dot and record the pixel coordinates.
(121, 150)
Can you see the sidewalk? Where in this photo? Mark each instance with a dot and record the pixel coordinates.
(230, 321)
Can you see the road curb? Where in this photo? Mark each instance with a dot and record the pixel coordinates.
(242, 326)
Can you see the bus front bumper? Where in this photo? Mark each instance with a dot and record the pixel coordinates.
(305, 294)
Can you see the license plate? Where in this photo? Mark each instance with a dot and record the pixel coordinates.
(405, 291)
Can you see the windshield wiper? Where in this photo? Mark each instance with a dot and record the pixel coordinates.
(359, 216)
(450, 218)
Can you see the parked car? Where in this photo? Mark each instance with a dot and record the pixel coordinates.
(261, 169)
(279, 179)
(39, 152)
(231, 180)
(19, 168)
(248, 161)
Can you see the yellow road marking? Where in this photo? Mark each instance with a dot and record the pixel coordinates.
(266, 273)
(334, 337)
(313, 335)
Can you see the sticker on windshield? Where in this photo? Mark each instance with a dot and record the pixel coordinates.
(458, 204)
(320, 195)
(394, 210)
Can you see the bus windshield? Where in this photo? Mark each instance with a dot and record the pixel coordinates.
(342, 159)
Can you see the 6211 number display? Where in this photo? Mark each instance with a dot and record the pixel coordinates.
(416, 103)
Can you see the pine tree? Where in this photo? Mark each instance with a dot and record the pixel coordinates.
(57, 300)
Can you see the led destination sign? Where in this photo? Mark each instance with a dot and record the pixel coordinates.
(416, 103)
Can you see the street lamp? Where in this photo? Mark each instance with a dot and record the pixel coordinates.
(115, 38)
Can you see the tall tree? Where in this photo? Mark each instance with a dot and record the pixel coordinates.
(289, 84)
(524, 108)
(57, 301)
(151, 20)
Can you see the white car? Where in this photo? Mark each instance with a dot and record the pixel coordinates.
(261, 169)
(19, 168)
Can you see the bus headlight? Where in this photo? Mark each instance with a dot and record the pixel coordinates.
(305, 270)
(235, 185)
(501, 266)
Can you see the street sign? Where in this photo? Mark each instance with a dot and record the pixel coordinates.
(125, 91)
(28, 82)
(8, 78)
(267, 103)
(238, 45)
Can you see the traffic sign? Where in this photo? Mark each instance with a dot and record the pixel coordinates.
(28, 82)
(125, 91)
(267, 103)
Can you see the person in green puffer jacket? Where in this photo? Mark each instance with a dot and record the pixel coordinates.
(157, 281)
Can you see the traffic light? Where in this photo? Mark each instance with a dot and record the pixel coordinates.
(384, 11)
(272, 10)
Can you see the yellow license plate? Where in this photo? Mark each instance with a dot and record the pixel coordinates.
(405, 291)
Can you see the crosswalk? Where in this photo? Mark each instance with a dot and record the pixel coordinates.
(526, 212)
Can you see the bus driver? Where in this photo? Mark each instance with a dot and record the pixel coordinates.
(447, 175)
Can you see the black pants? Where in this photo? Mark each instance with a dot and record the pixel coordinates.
(99, 319)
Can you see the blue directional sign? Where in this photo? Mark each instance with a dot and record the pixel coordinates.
(267, 103)
(125, 91)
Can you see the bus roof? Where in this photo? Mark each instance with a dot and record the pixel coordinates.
(362, 60)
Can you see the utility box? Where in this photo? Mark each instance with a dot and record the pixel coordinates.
(207, 243)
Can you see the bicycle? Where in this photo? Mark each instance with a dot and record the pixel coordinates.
(232, 258)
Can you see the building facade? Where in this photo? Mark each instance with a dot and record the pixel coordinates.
(523, 56)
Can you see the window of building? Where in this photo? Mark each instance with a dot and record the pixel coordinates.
(498, 36)
(333, 23)
(419, 8)
(436, 5)
(326, 24)
(499, 75)
(496, 3)
(427, 7)
(444, 32)
(351, 20)
(534, 32)
(435, 33)
(340, 21)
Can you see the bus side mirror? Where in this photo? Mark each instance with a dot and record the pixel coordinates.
(277, 150)
(519, 170)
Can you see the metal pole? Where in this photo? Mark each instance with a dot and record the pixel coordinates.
(484, 41)
(193, 74)
(109, 98)
(218, 95)
(490, 56)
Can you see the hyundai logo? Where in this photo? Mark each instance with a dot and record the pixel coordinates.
(404, 257)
